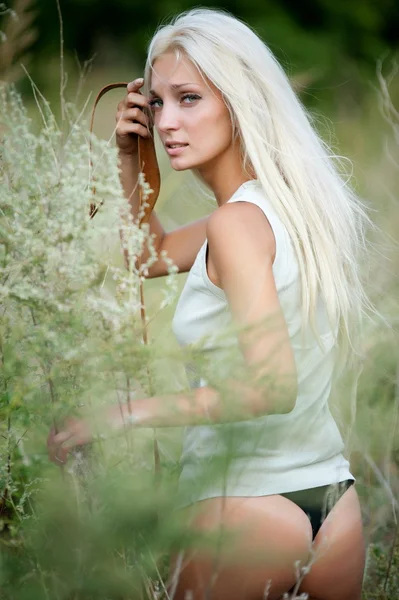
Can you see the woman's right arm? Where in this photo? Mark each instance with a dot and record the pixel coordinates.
(182, 244)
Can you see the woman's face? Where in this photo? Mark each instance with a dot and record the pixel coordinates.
(190, 114)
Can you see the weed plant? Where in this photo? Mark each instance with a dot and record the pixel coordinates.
(67, 345)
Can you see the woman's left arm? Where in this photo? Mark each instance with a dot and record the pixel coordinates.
(242, 248)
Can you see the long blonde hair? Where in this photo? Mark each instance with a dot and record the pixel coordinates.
(298, 172)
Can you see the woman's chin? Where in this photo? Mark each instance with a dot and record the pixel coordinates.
(180, 165)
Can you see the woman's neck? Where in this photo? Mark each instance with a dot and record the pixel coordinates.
(226, 175)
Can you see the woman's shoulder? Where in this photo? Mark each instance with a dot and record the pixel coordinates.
(235, 229)
(252, 193)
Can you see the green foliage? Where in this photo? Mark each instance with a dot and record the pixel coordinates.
(330, 40)
(359, 29)
(70, 339)
(382, 578)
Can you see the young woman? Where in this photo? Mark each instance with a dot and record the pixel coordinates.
(280, 252)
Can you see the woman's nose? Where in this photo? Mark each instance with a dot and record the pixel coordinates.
(168, 118)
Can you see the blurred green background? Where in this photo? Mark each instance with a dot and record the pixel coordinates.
(333, 39)
(331, 46)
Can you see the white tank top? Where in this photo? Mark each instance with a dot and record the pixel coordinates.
(275, 453)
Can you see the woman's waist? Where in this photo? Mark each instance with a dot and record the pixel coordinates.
(267, 437)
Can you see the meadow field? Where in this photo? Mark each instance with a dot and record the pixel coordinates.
(71, 340)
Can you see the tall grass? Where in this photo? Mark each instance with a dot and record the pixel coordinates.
(69, 341)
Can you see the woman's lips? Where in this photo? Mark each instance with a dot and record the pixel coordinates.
(175, 151)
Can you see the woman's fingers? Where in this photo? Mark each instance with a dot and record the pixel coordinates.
(62, 437)
(60, 457)
(53, 451)
(134, 86)
(75, 433)
(132, 114)
(127, 127)
(131, 120)
(81, 434)
(133, 99)
(50, 437)
(56, 452)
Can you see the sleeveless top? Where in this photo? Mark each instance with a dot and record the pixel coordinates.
(275, 453)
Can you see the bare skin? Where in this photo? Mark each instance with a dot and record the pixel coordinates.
(270, 533)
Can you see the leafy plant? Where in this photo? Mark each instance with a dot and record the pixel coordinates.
(70, 340)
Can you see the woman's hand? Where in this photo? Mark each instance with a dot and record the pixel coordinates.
(75, 432)
(131, 121)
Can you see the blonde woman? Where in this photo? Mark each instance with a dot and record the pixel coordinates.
(281, 248)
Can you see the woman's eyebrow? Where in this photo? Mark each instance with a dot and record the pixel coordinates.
(174, 87)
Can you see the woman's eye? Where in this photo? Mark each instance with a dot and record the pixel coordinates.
(185, 98)
(154, 103)
(190, 97)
